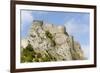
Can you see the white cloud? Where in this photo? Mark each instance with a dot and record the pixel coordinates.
(76, 29)
(26, 21)
(26, 17)
(73, 28)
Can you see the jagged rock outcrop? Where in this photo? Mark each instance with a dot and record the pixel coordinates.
(52, 41)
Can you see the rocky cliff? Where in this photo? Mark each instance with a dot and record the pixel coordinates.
(48, 42)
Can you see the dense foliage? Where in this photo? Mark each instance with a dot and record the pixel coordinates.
(28, 54)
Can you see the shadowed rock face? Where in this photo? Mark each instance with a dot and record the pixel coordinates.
(53, 41)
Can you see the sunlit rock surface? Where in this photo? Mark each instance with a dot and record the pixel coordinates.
(53, 41)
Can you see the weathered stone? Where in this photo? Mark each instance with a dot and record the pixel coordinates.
(60, 38)
(52, 40)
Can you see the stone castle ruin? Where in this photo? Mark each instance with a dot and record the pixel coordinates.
(53, 40)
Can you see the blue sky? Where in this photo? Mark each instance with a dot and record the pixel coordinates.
(77, 24)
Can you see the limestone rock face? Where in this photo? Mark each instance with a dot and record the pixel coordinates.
(53, 40)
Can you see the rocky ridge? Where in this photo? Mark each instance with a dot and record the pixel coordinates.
(51, 42)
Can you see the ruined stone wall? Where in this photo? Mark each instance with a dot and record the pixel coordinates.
(52, 40)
